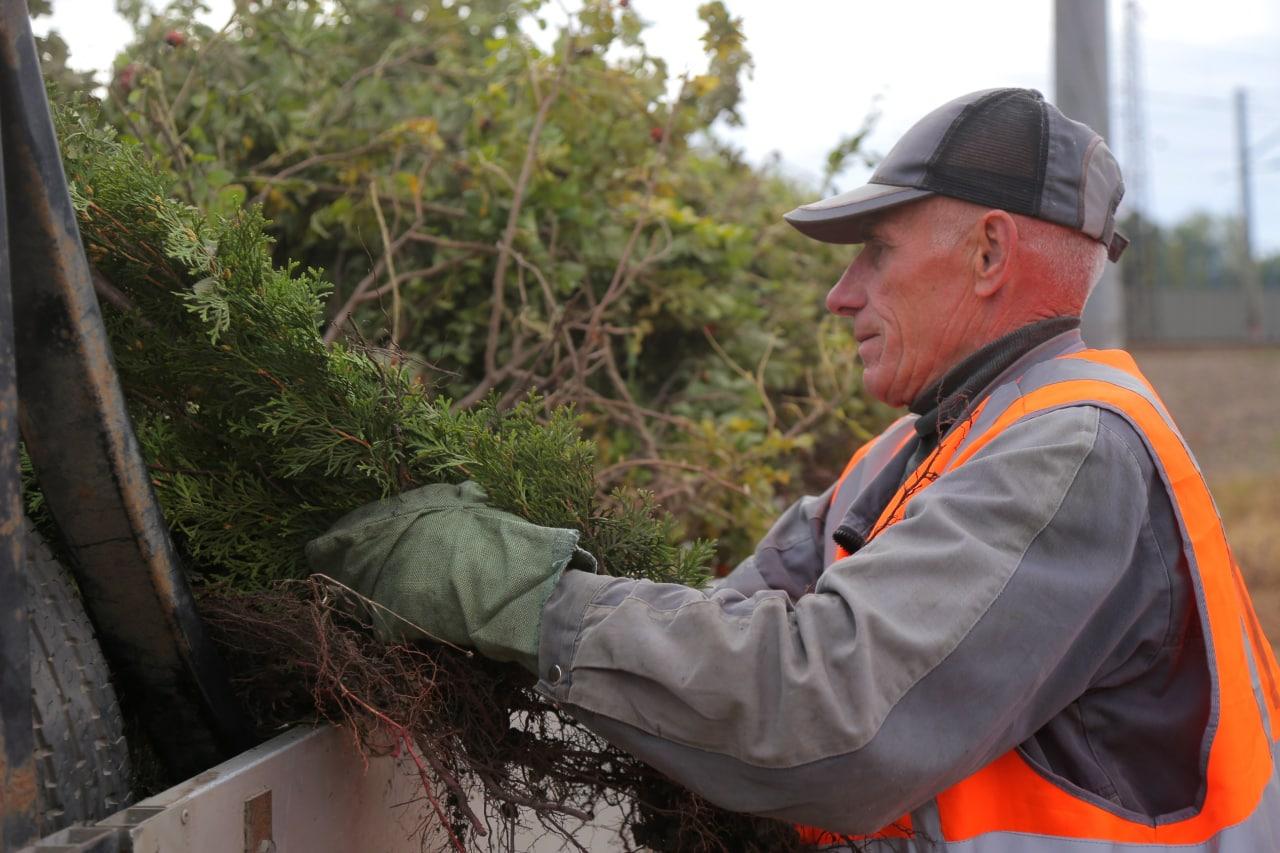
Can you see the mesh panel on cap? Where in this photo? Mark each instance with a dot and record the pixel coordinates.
(994, 153)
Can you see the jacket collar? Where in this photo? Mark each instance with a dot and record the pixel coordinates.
(950, 399)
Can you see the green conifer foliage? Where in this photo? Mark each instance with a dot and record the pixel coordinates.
(260, 436)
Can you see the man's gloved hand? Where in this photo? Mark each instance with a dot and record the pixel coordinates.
(445, 561)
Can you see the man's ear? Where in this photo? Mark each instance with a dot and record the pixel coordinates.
(997, 246)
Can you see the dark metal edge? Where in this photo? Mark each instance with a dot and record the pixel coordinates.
(84, 450)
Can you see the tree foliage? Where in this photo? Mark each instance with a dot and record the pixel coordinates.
(1200, 251)
(507, 217)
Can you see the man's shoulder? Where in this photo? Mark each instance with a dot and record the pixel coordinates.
(1106, 436)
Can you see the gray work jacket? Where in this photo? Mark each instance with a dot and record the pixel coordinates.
(844, 694)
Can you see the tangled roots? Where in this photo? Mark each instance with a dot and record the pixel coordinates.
(491, 754)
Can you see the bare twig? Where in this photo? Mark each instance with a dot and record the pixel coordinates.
(384, 63)
(513, 215)
(202, 58)
(514, 365)
(162, 115)
(313, 160)
(656, 462)
(620, 385)
(357, 293)
(342, 189)
(390, 260)
(422, 273)
(756, 379)
(446, 243)
(621, 277)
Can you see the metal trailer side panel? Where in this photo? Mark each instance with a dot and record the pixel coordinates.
(310, 790)
(318, 794)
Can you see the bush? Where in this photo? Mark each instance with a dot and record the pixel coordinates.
(502, 219)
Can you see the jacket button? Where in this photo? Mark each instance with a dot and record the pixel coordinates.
(555, 674)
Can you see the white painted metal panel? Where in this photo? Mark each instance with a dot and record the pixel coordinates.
(325, 797)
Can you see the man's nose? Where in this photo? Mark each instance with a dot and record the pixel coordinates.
(847, 296)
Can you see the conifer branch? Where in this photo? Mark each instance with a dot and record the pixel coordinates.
(106, 290)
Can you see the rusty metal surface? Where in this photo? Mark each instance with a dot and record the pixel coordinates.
(83, 447)
(17, 767)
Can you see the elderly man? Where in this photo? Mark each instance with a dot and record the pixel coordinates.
(1013, 623)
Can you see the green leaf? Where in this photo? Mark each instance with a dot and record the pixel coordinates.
(216, 178)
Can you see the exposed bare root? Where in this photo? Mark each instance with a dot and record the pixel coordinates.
(492, 755)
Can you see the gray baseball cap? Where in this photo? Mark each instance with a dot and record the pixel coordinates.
(1002, 148)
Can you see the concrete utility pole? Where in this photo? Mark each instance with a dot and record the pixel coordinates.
(1249, 278)
(1080, 83)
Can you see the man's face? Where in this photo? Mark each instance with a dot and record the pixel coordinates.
(906, 295)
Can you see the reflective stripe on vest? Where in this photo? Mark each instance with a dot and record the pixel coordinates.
(866, 463)
(1009, 805)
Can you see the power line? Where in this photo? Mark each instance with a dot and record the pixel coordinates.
(1190, 49)
(1191, 99)
(1262, 145)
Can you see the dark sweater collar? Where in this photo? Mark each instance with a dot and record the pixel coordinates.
(947, 401)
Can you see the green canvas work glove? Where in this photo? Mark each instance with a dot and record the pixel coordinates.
(462, 571)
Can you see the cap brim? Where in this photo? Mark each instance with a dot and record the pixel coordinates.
(836, 219)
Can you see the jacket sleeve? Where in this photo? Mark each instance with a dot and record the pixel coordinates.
(942, 644)
(789, 557)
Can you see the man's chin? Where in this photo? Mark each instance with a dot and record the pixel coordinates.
(882, 388)
(872, 383)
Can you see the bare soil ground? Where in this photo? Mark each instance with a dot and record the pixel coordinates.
(1227, 403)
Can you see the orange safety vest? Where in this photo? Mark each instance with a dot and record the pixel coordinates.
(1009, 805)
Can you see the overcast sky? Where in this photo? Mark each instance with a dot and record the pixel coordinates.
(822, 65)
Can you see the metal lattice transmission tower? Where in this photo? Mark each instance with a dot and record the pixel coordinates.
(1140, 272)
(1137, 189)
